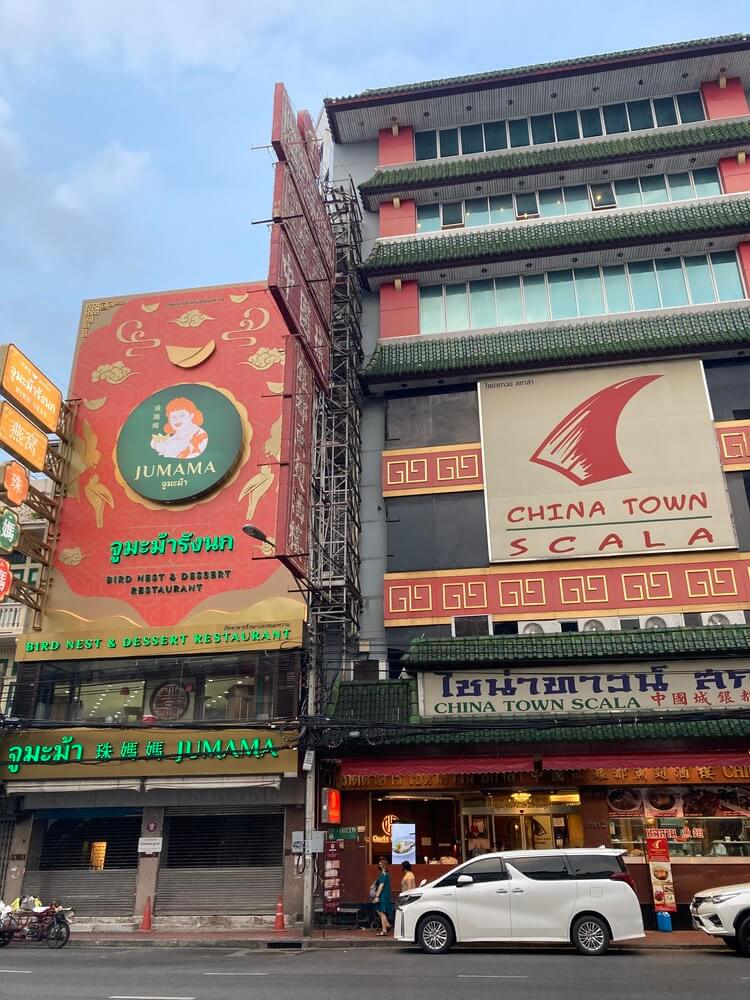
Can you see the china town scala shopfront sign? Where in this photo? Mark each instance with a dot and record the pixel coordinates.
(147, 752)
(688, 686)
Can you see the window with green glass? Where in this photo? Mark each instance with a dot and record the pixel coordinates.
(482, 295)
(562, 294)
(680, 186)
(640, 115)
(664, 110)
(508, 300)
(591, 122)
(494, 135)
(616, 289)
(527, 206)
(577, 199)
(602, 196)
(628, 193)
(566, 125)
(699, 280)
(448, 141)
(542, 129)
(501, 208)
(453, 213)
(727, 276)
(518, 131)
(643, 285)
(431, 311)
(535, 298)
(654, 190)
(551, 202)
(707, 182)
(472, 140)
(615, 118)
(589, 291)
(690, 107)
(428, 218)
(477, 212)
(425, 145)
(456, 307)
(671, 280)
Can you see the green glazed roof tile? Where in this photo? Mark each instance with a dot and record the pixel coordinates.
(576, 646)
(673, 48)
(563, 342)
(402, 178)
(396, 256)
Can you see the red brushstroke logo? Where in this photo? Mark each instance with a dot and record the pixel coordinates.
(583, 446)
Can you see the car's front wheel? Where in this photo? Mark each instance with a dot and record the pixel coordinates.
(435, 935)
(590, 935)
(743, 937)
(730, 941)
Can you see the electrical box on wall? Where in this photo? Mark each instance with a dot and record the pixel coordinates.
(330, 805)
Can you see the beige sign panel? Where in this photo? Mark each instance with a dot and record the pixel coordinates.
(152, 752)
(603, 462)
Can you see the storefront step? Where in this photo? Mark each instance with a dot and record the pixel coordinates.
(104, 925)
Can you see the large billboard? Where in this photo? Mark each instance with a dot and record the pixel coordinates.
(602, 462)
(177, 444)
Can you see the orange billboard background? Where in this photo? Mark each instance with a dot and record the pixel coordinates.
(124, 560)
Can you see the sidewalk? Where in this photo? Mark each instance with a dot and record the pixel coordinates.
(329, 938)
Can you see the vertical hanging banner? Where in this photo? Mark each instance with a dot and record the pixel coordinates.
(29, 388)
(660, 869)
(303, 248)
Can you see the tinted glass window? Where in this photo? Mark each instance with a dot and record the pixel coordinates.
(639, 113)
(615, 118)
(691, 107)
(526, 206)
(566, 123)
(449, 142)
(665, 112)
(595, 865)
(453, 213)
(482, 870)
(728, 387)
(494, 135)
(519, 132)
(425, 145)
(445, 531)
(542, 869)
(542, 128)
(471, 139)
(477, 212)
(428, 218)
(591, 122)
(439, 418)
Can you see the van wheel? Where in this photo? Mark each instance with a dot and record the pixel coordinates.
(730, 942)
(743, 938)
(590, 935)
(435, 935)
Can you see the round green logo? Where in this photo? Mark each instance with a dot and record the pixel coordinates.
(179, 443)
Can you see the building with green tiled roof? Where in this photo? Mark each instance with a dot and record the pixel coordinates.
(555, 523)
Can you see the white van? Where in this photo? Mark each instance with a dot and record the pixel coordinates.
(583, 896)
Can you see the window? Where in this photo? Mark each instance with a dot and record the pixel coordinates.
(707, 182)
(494, 136)
(690, 107)
(481, 870)
(664, 111)
(428, 218)
(471, 625)
(591, 122)
(699, 280)
(615, 118)
(654, 190)
(453, 214)
(726, 276)
(425, 145)
(448, 141)
(680, 187)
(476, 212)
(616, 289)
(640, 115)
(542, 868)
(472, 140)
(542, 129)
(509, 303)
(643, 285)
(482, 295)
(456, 307)
(602, 196)
(595, 865)
(562, 295)
(431, 312)
(551, 202)
(501, 208)
(577, 199)
(519, 132)
(566, 125)
(628, 193)
(589, 291)
(671, 281)
(526, 206)
(535, 297)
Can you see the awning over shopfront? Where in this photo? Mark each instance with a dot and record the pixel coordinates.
(437, 765)
(646, 759)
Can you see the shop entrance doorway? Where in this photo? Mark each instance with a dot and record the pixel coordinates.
(521, 821)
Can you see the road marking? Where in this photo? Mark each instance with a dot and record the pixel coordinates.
(119, 996)
(236, 973)
(19, 972)
(478, 976)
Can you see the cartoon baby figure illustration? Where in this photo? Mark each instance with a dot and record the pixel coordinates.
(183, 435)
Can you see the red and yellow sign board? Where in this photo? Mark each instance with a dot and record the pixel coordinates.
(584, 588)
(734, 444)
(452, 468)
(15, 483)
(150, 532)
(29, 388)
(6, 579)
(22, 438)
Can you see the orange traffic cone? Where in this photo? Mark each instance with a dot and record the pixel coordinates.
(146, 922)
(278, 924)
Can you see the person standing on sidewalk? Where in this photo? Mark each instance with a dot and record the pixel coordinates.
(383, 901)
(409, 881)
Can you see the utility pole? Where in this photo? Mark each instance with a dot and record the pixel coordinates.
(310, 767)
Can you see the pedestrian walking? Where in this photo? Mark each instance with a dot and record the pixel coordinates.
(409, 881)
(383, 901)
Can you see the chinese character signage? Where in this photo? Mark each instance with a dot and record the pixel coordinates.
(602, 462)
(32, 391)
(22, 438)
(10, 530)
(149, 753)
(6, 579)
(176, 445)
(687, 686)
(15, 483)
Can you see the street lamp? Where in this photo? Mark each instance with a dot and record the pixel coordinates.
(258, 534)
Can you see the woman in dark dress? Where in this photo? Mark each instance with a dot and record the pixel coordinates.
(383, 902)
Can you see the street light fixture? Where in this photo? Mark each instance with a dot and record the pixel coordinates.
(258, 534)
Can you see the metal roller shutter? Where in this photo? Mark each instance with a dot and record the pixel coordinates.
(110, 892)
(6, 833)
(229, 862)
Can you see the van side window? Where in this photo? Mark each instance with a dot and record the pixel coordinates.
(481, 870)
(541, 868)
(595, 865)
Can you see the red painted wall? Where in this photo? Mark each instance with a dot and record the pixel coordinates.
(743, 255)
(395, 148)
(728, 103)
(398, 221)
(735, 177)
(399, 311)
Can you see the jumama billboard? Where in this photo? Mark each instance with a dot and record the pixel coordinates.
(177, 444)
(602, 462)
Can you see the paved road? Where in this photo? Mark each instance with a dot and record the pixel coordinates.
(31, 973)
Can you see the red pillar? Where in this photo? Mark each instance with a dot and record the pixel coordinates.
(727, 103)
(398, 221)
(399, 310)
(395, 148)
(743, 257)
(735, 177)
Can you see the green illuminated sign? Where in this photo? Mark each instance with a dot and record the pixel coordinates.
(179, 443)
(184, 545)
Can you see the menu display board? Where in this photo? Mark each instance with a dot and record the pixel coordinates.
(403, 843)
(660, 869)
(332, 875)
(679, 801)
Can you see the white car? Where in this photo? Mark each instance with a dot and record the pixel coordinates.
(581, 896)
(725, 913)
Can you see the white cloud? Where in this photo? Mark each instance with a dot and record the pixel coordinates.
(112, 172)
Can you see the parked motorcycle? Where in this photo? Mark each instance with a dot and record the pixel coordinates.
(36, 923)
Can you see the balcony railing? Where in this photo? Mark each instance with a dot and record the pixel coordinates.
(12, 619)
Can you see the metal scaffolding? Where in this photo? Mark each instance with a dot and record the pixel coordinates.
(334, 552)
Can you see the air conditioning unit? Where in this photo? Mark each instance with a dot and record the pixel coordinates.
(719, 619)
(662, 621)
(599, 625)
(539, 628)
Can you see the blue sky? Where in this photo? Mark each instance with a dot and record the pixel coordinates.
(126, 125)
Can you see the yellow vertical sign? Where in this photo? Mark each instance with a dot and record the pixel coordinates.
(22, 438)
(22, 382)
